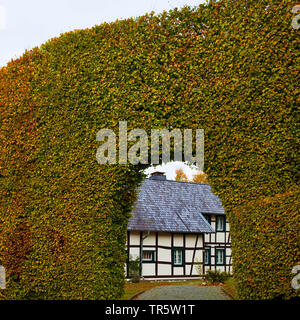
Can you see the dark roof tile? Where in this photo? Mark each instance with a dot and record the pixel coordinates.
(172, 206)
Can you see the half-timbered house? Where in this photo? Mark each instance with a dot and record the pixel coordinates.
(178, 230)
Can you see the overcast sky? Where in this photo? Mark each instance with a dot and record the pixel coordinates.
(25, 24)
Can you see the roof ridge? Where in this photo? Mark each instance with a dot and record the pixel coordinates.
(206, 184)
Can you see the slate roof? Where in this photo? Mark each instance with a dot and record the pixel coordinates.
(172, 206)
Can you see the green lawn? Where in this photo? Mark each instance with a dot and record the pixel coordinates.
(230, 287)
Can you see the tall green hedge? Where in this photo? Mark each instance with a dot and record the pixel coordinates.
(228, 67)
(266, 246)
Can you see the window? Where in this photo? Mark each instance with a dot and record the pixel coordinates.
(208, 218)
(148, 256)
(220, 223)
(220, 256)
(178, 256)
(207, 256)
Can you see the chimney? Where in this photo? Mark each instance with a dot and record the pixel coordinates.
(157, 175)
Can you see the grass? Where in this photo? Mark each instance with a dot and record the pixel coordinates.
(132, 289)
(230, 287)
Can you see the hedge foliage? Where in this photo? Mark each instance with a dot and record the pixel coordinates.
(228, 67)
(267, 245)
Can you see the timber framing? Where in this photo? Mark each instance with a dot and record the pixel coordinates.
(193, 245)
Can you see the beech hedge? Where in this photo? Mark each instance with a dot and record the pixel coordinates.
(228, 67)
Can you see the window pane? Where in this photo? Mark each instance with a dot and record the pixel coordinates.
(178, 256)
(207, 256)
(220, 256)
(220, 223)
(148, 256)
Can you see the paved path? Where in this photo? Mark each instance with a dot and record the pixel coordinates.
(184, 293)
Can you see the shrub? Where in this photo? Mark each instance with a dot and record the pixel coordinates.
(216, 276)
(134, 269)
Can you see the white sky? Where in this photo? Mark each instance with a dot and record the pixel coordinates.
(25, 24)
(170, 169)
